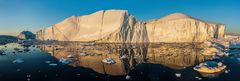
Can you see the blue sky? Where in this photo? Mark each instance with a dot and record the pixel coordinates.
(19, 15)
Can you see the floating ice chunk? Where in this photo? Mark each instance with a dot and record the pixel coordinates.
(207, 67)
(28, 76)
(199, 78)
(53, 64)
(178, 74)
(78, 74)
(108, 61)
(223, 54)
(47, 62)
(196, 77)
(82, 54)
(70, 56)
(128, 77)
(64, 61)
(227, 71)
(18, 69)
(28, 79)
(17, 61)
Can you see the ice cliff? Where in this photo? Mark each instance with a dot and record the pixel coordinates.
(118, 26)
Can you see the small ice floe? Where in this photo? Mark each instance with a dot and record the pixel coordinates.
(178, 74)
(78, 74)
(64, 61)
(128, 77)
(70, 56)
(199, 78)
(227, 71)
(53, 64)
(47, 62)
(82, 54)
(108, 60)
(124, 57)
(18, 69)
(28, 76)
(28, 79)
(210, 67)
(222, 54)
(196, 77)
(18, 61)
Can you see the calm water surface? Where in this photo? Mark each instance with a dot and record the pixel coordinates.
(144, 62)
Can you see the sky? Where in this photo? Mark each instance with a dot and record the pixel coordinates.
(33, 15)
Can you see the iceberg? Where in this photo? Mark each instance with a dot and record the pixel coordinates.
(210, 67)
(118, 26)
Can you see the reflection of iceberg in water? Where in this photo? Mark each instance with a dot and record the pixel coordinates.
(175, 56)
(171, 55)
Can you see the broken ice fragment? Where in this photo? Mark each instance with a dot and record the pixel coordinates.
(108, 60)
(18, 61)
(178, 74)
(47, 62)
(64, 61)
(18, 69)
(128, 77)
(82, 54)
(53, 64)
